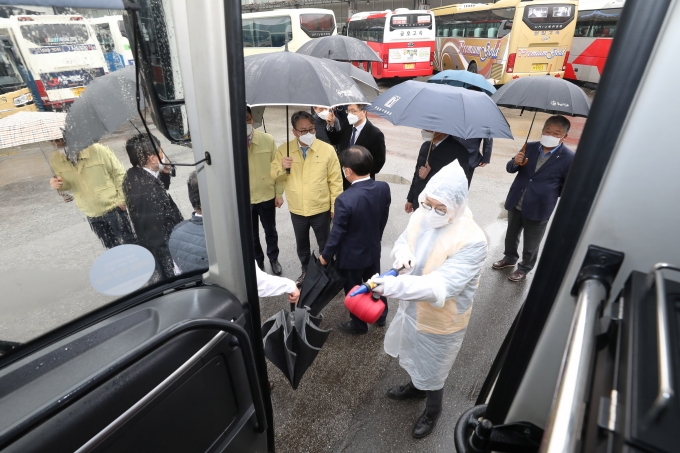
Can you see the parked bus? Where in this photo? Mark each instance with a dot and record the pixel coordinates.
(507, 39)
(403, 39)
(15, 95)
(595, 29)
(61, 54)
(268, 31)
(110, 33)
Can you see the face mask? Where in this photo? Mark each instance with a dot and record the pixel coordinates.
(435, 220)
(427, 136)
(249, 129)
(352, 118)
(345, 174)
(549, 141)
(307, 139)
(323, 114)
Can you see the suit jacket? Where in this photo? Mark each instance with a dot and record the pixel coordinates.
(361, 214)
(152, 210)
(472, 145)
(443, 154)
(543, 187)
(370, 138)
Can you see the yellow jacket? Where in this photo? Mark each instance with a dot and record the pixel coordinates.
(313, 183)
(96, 180)
(261, 153)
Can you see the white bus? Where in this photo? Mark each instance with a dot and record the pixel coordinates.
(112, 37)
(62, 55)
(268, 31)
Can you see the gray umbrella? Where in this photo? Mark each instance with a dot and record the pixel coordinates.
(442, 108)
(543, 94)
(106, 103)
(364, 80)
(339, 47)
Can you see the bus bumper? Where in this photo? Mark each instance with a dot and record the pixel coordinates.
(518, 75)
(388, 74)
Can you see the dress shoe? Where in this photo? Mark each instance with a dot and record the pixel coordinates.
(517, 276)
(260, 264)
(404, 392)
(348, 327)
(276, 267)
(300, 279)
(380, 323)
(425, 424)
(501, 264)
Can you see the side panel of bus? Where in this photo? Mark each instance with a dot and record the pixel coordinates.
(115, 47)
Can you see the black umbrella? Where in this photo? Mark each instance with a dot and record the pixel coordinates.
(321, 285)
(543, 94)
(291, 342)
(339, 47)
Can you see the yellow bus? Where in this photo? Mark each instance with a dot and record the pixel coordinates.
(14, 93)
(507, 39)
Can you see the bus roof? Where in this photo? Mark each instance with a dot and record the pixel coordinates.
(452, 9)
(588, 5)
(385, 13)
(104, 19)
(287, 12)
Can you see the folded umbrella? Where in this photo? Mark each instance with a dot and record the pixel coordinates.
(292, 341)
(442, 108)
(464, 79)
(321, 285)
(339, 47)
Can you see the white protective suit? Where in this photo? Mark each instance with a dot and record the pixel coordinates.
(436, 296)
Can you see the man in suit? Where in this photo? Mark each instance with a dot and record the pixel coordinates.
(477, 158)
(436, 152)
(362, 133)
(152, 210)
(541, 172)
(360, 217)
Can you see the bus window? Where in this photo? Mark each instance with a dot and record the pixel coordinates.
(317, 25)
(9, 74)
(121, 27)
(104, 36)
(267, 31)
(51, 34)
(548, 17)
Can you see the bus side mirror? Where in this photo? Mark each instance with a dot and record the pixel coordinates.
(176, 122)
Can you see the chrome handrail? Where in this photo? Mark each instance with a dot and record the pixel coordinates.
(563, 433)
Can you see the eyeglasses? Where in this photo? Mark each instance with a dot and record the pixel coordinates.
(310, 130)
(428, 207)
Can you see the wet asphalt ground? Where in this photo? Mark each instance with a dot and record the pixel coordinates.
(340, 406)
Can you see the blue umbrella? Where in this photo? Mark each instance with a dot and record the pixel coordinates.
(442, 108)
(465, 79)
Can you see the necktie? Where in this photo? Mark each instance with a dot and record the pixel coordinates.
(304, 150)
(352, 139)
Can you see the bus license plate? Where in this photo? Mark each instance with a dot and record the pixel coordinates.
(409, 66)
(539, 66)
(77, 91)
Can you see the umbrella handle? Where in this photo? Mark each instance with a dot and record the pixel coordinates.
(287, 131)
(427, 159)
(526, 159)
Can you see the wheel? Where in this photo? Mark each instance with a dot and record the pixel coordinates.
(472, 67)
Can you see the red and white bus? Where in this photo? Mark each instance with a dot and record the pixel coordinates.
(595, 30)
(404, 40)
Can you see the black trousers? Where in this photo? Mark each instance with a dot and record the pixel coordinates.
(533, 234)
(265, 213)
(468, 173)
(320, 223)
(164, 264)
(433, 403)
(357, 277)
(113, 228)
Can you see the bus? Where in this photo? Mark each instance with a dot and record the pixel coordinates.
(15, 95)
(62, 55)
(595, 29)
(110, 32)
(403, 39)
(269, 31)
(506, 40)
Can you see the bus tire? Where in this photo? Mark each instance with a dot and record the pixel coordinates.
(472, 67)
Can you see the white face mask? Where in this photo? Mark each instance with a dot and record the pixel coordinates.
(249, 129)
(549, 141)
(323, 114)
(435, 220)
(427, 136)
(307, 139)
(352, 119)
(345, 174)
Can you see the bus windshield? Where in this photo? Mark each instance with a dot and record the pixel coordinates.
(9, 74)
(317, 25)
(410, 21)
(55, 34)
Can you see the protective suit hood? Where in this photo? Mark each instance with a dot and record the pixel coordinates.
(449, 187)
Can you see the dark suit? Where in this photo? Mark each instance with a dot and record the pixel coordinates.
(361, 214)
(370, 138)
(153, 213)
(441, 155)
(541, 189)
(476, 158)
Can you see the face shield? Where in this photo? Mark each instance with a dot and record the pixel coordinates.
(449, 187)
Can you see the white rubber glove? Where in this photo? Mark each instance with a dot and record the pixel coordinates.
(406, 259)
(428, 288)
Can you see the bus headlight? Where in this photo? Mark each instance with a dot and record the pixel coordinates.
(22, 100)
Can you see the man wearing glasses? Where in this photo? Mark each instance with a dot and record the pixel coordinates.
(311, 187)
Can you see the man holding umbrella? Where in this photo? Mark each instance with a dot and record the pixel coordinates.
(541, 172)
(311, 187)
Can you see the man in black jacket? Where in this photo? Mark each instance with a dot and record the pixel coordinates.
(476, 158)
(361, 214)
(361, 133)
(152, 211)
(438, 151)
